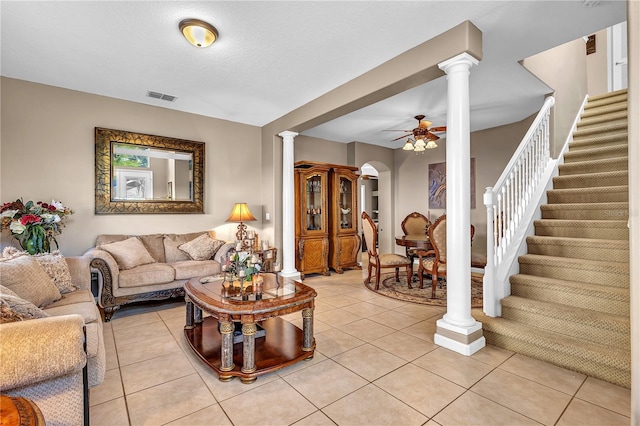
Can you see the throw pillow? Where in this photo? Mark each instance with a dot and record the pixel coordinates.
(56, 267)
(171, 251)
(202, 248)
(5, 290)
(24, 276)
(13, 308)
(128, 253)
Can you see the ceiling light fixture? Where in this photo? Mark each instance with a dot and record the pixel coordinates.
(198, 33)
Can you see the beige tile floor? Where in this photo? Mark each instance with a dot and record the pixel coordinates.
(375, 364)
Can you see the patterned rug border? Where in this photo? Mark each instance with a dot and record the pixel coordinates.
(399, 290)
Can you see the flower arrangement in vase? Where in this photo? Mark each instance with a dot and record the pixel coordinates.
(34, 225)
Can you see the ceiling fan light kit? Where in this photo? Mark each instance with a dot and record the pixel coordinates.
(421, 133)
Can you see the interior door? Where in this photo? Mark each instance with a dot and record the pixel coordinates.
(618, 70)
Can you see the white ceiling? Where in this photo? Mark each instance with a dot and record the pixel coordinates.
(275, 56)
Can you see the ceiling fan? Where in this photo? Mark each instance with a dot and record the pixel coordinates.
(421, 133)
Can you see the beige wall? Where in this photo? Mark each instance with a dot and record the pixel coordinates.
(564, 70)
(47, 152)
(319, 150)
(597, 68)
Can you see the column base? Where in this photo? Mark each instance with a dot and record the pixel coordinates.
(464, 340)
(295, 275)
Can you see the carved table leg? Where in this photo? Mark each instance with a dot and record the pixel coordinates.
(197, 315)
(189, 322)
(226, 352)
(248, 351)
(307, 330)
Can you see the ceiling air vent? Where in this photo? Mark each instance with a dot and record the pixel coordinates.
(163, 96)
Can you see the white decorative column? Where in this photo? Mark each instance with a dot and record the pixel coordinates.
(288, 208)
(458, 330)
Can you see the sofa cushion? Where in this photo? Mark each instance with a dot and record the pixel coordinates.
(57, 268)
(24, 276)
(128, 253)
(78, 302)
(155, 246)
(195, 268)
(14, 308)
(154, 273)
(5, 290)
(202, 248)
(172, 252)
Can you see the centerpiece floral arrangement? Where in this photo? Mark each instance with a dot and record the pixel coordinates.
(34, 225)
(241, 265)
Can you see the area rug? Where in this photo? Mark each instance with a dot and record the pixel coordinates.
(398, 290)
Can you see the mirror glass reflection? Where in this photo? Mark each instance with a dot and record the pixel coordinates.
(147, 173)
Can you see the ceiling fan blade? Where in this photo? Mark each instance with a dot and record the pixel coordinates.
(438, 129)
(402, 137)
(398, 130)
(432, 137)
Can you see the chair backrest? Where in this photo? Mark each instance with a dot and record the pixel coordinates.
(438, 238)
(370, 232)
(415, 223)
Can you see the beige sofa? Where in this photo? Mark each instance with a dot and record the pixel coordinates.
(151, 267)
(45, 359)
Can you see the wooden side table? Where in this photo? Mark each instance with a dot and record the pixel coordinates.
(19, 411)
(269, 258)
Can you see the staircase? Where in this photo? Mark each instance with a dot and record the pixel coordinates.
(569, 305)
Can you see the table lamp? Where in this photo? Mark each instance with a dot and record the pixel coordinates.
(241, 213)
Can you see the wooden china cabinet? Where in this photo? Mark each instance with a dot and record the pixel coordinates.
(326, 217)
(344, 241)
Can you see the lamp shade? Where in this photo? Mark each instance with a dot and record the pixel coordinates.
(198, 33)
(431, 144)
(240, 213)
(408, 146)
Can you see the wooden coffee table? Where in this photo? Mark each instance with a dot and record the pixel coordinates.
(212, 337)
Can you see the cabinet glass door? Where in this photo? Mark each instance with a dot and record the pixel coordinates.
(346, 200)
(314, 196)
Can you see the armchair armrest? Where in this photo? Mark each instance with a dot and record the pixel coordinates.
(108, 275)
(425, 253)
(38, 350)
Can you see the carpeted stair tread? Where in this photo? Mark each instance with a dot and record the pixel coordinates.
(591, 271)
(607, 99)
(600, 353)
(612, 138)
(596, 297)
(620, 150)
(594, 166)
(580, 248)
(585, 180)
(597, 360)
(604, 194)
(605, 109)
(589, 211)
(618, 117)
(601, 128)
(597, 229)
(584, 317)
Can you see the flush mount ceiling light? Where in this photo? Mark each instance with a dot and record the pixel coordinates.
(198, 33)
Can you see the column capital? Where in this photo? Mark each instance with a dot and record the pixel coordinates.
(461, 59)
(288, 134)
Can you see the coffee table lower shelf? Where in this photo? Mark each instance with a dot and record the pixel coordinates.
(280, 348)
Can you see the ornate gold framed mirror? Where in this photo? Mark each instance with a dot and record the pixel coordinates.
(141, 174)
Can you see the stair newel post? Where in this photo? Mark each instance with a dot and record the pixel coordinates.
(491, 302)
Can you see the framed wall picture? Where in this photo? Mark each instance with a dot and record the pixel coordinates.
(438, 185)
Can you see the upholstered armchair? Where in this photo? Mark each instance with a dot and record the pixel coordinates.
(381, 261)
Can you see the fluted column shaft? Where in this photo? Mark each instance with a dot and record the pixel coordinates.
(288, 206)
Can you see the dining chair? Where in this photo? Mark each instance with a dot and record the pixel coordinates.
(434, 261)
(414, 224)
(381, 261)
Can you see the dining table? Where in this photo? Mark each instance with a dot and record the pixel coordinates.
(413, 241)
